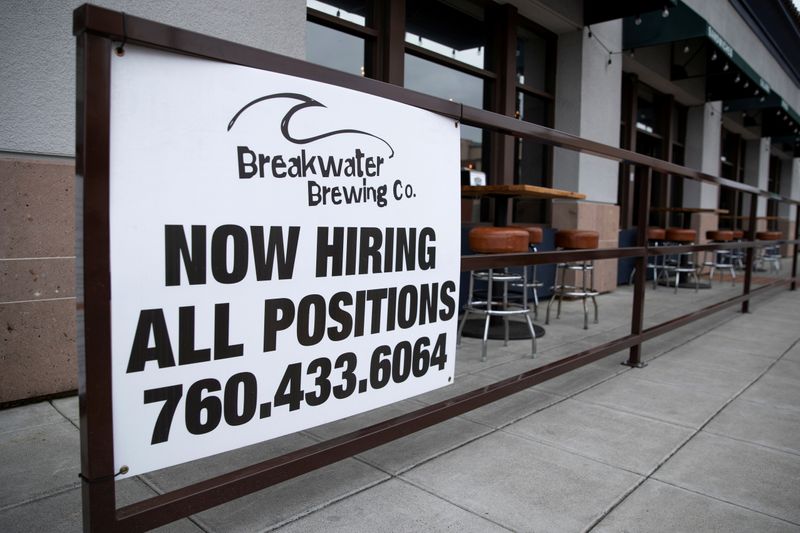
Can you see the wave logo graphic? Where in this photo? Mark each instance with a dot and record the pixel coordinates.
(305, 102)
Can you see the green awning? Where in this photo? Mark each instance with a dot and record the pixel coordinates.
(727, 74)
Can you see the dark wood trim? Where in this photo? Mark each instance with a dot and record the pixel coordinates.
(445, 61)
(335, 23)
(387, 58)
(527, 89)
(501, 52)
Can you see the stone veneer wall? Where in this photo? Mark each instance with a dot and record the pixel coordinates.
(37, 278)
(603, 218)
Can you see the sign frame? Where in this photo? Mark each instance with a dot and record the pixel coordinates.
(100, 33)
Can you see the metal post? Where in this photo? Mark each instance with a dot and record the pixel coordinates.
(794, 255)
(637, 315)
(94, 365)
(748, 261)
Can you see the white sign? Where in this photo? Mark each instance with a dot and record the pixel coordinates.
(284, 253)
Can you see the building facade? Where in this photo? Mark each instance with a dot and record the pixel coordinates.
(712, 85)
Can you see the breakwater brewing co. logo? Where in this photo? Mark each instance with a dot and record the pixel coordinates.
(309, 165)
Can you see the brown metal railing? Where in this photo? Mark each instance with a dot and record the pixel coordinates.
(95, 29)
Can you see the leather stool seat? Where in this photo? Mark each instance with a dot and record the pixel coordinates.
(498, 240)
(720, 235)
(576, 239)
(769, 235)
(656, 234)
(535, 233)
(680, 235)
(738, 234)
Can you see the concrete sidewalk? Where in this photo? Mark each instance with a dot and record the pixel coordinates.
(705, 438)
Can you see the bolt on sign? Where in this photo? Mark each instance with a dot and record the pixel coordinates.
(284, 253)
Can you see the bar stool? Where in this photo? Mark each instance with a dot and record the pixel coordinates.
(575, 240)
(737, 256)
(497, 240)
(684, 263)
(655, 237)
(720, 259)
(535, 236)
(770, 255)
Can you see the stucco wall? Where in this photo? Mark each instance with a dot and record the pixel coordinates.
(37, 56)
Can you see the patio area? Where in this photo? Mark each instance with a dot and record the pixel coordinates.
(706, 437)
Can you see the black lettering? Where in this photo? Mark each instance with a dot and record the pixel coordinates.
(447, 300)
(285, 253)
(427, 251)
(406, 238)
(375, 297)
(246, 170)
(352, 249)
(161, 351)
(219, 254)
(223, 349)
(429, 301)
(176, 249)
(407, 307)
(278, 315)
(332, 251)
(278, 164)
(310, 336)
(187, 354)
(340, 316)
(369, 248)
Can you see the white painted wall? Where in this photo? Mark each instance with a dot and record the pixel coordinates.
(588, 100)
(703, 125)
(724, 18)
(790, 186)
(756, 171)
(37, 56)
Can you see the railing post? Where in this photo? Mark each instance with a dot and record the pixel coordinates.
(794, 255)
(637, 315)
(94, 363)
(748, 262)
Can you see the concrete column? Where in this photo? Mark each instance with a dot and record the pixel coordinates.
(588, 99)
(703, 126)
(790, 186)
(756, 173)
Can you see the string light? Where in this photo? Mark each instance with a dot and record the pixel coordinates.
(637, 20)
(665, 13)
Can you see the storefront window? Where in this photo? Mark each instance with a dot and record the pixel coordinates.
(437, 80)
(350, 10)
(732, 155)
(531, 60)
(335, 49)
(451, 29)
